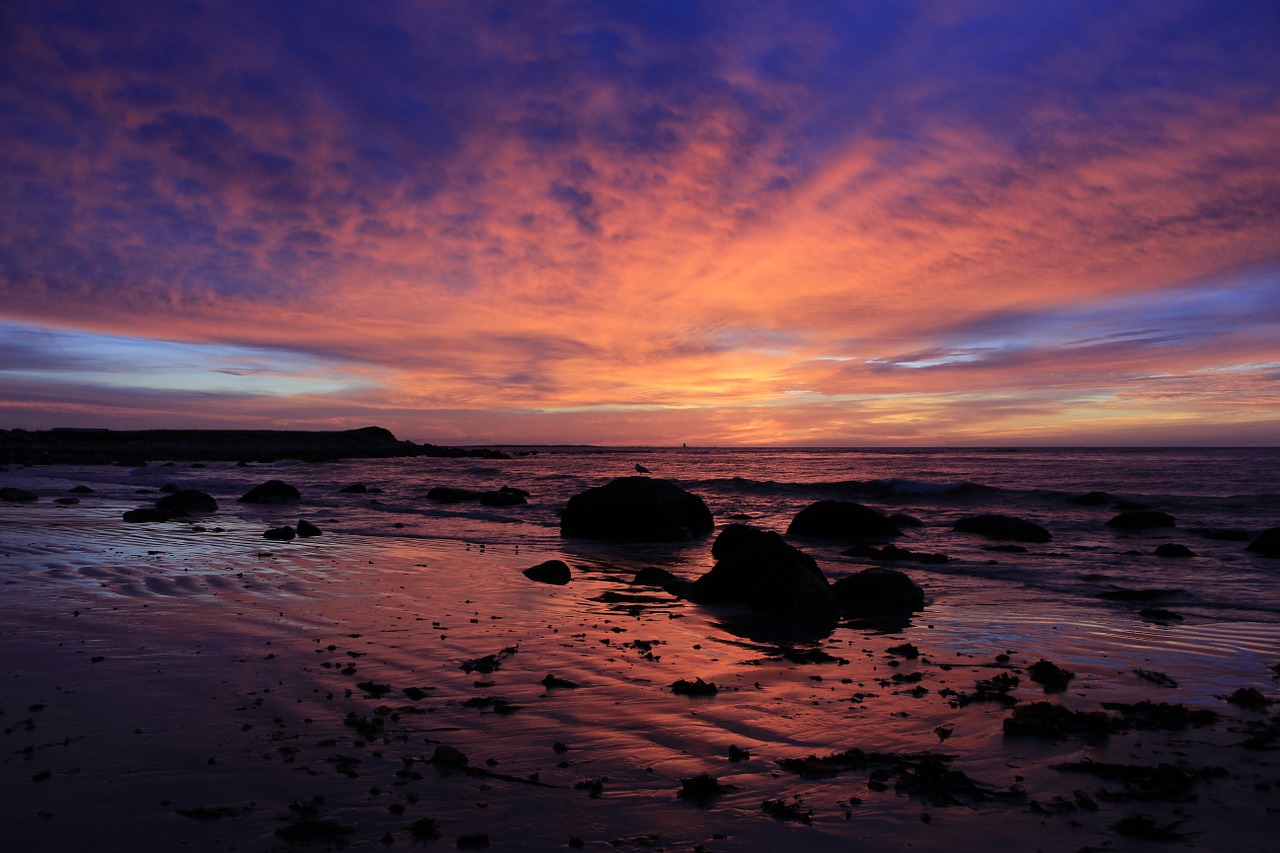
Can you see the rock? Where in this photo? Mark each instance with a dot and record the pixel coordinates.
(1049, 675)
(697, 687)
(355, 489)
(1267, 543)
(504, 497)
(1091, 499)
(701, 789)
(996, 526)
(445, 754)
(842, 520)
(1173, 549)
(654, 576)
(18, 496)
(80, 490)
(187, 502)
(878, 589)
(280, 534)
(66, 501)
(552, 571)
(306, 528)
(448, 495)
(756, 567)
(135, 516)
(271, 492)
(1141, 519)
(635, 508)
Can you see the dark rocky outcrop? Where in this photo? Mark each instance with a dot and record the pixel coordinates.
(187, 502)
(996, 526)
(552, 571)
(877, 590)
(1173, 549)
(636, 508)
(307, 529)
(354, 489)
(758, 568)
(102, 446)
(842, 520)
(1267, 543)
(271, 492)
(1141, 519)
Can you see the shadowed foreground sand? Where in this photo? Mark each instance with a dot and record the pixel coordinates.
(163, 687)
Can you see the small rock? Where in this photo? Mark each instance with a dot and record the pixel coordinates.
(1173, 549)
(445, 754)
(998, 526)
(306, 528)
(280, 534)
(271, 492)
(187, 502)
(552, 571)
(1141, 519)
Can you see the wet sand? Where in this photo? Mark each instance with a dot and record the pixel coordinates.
(167, 687)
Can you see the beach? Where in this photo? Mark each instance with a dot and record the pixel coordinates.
(192, 685)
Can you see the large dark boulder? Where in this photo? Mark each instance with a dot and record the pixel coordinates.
(187, 502)
(996, 526)
(758, 568)
(1267, 543)
(1141, 519)
(842, 520)
(636, 508)
(271, 492)
(876, 590)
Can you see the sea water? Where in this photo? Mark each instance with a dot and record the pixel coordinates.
(1220, 499)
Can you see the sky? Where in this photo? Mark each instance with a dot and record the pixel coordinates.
(716, 223)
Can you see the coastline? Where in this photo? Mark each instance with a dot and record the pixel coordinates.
(130, 447)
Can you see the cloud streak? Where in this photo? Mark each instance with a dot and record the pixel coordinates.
(647, 222)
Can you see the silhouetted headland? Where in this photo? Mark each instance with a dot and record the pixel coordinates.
(105, 447)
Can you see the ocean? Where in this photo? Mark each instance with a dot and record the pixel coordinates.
(1219, 497)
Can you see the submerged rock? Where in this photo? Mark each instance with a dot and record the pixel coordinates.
(1141, 519)
(878, 589)
(271, 492)
(756, 567)
(636, 508)
(998, 526)
(145, 514)
(18, 496)
(505, 496)
(1173, 549)
(842, 520)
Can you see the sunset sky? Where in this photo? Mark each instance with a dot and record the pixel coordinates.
(718, 223)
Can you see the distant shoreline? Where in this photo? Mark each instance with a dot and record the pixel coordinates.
(135, 447)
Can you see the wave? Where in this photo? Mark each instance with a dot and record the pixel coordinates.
(880, 488)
